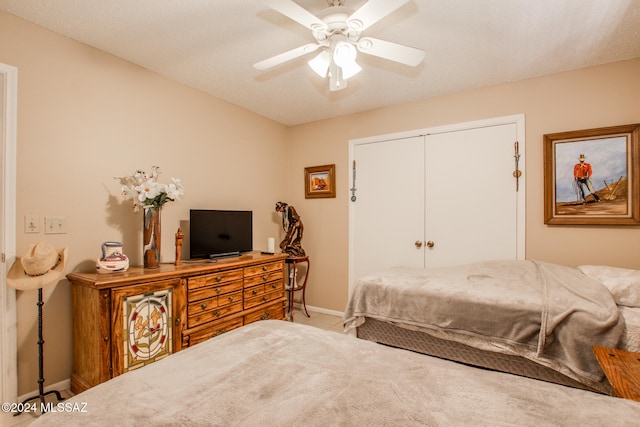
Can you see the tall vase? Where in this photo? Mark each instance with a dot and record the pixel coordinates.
(151, 237)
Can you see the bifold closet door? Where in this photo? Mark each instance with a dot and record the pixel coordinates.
(437, 200)
(388, 214)
(471, 199)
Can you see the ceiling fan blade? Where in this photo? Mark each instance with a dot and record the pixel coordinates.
(296, 12)
(392, 51)
(371, 12)
(286, 56)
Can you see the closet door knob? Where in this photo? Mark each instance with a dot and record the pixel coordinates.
(418, 244)
(431, 243)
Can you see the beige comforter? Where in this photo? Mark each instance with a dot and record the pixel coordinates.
(548, 313)
(276, 373)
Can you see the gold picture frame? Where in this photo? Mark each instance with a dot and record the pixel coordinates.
(320, 182)
(591, 176)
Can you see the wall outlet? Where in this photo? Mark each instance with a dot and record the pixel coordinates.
(32, 223)
(55, 225)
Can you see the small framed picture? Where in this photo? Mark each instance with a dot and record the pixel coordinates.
(320, 182)
(591, 176)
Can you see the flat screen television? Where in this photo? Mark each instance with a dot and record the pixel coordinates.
(219, 233)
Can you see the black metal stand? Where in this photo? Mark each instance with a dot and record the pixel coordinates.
(41, 394)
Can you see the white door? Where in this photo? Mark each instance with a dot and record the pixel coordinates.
(388, 213)
(447, 198)
(471, 198)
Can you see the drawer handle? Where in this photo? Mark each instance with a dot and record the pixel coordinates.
(218, 290)
(265, 278)
(177, 320)
(273, 286)
(254, 292)
(230, 299)
(218, 278)
(217, 313)
(203, 306)
(266, 315)
(264, 268)
(264, 298)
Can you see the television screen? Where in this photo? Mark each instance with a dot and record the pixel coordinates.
(217, 233)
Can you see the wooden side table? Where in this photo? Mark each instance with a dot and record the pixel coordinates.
(292, 286)
(622, 369)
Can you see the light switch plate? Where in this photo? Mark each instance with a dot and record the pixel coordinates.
(31, 223)
(55, 225)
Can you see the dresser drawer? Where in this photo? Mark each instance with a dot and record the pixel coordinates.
(263, 278)
(214, 290)
(194, 320)
(273, 311)
(209, 304)
(263, 268)
(215, 279)
(215, 330)
(262, 298)
(258, 290)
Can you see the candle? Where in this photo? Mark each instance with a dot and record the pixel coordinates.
(271, 245)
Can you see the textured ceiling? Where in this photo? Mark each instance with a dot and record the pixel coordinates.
(212, 44)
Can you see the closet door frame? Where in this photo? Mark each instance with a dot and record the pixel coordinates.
(8, 167)
(517, 119)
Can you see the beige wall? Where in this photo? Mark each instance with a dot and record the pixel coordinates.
(595, 97)
(85, 116)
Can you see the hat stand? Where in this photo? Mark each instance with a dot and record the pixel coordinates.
(41, 394)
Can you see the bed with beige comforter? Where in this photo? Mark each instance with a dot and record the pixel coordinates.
(547, 313)
(276, 373)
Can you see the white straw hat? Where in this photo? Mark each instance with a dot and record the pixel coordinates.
(40, 266)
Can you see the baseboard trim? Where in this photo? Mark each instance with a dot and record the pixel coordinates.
(59, 386)
(321, 310)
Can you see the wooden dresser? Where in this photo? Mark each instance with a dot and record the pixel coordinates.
(122, 321)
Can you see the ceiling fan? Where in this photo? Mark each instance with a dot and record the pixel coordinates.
(338, 34)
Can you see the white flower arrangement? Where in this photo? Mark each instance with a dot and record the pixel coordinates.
(145, 190)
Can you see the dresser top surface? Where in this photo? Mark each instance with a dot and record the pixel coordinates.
(169, 271)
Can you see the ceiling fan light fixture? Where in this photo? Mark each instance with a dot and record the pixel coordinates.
(320, 64)
(350, 69)
(344, 53)
(344, 56)
(339, 65)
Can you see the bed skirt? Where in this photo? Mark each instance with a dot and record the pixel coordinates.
(395, 336)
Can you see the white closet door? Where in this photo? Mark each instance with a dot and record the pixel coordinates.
(388, 215)
(453, 188)
(471, 198)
